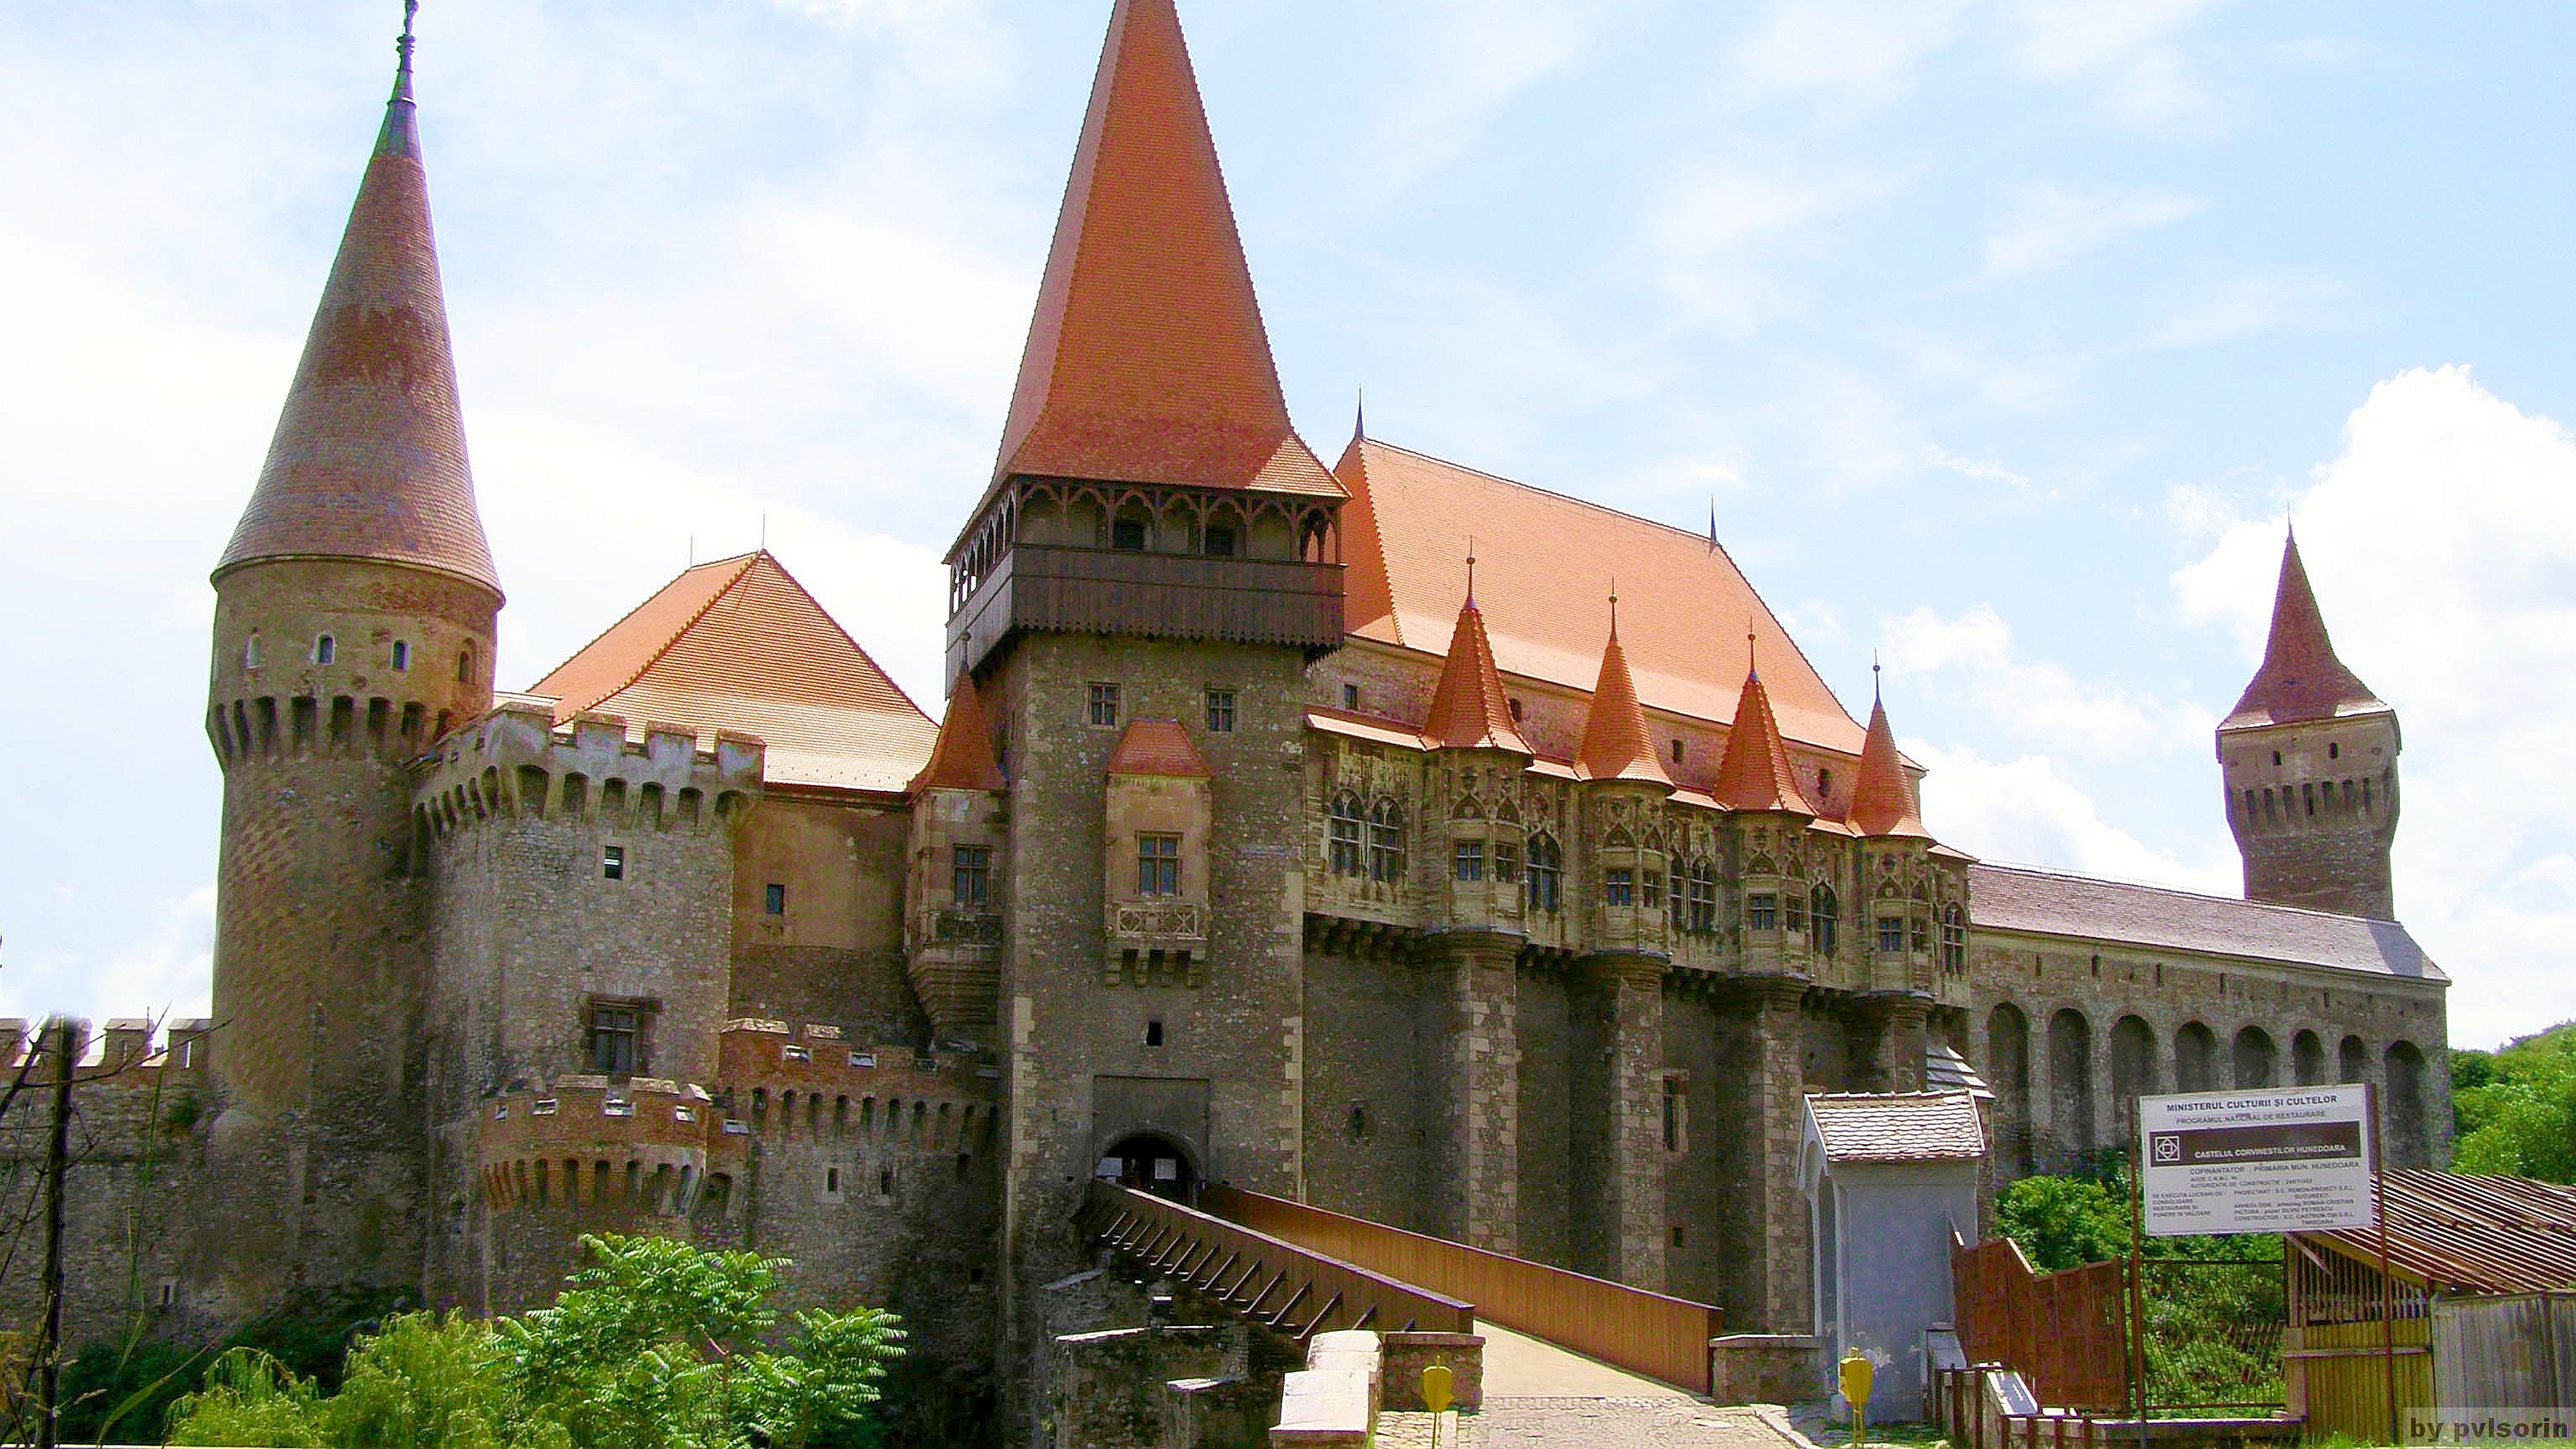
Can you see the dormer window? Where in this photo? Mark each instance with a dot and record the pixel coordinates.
(325, 649)
(402, 655)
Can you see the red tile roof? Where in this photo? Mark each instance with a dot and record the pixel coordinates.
(1882, 801)
(1146, 360)
(369, 456)
(1615, 745)
(1898, 1126)
(1469, 709)
(1158, 747)
(1754, 773)
(2046, 903)
(1410, 520)
(738, 644)
(963, 758)
(2300, 679)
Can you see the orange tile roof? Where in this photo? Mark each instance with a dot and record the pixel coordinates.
(1146, 360)
(1615, 746)
(1754, 773)
(1469, 710)
(963, 758)
(740, 645)
(2300, 679)
(1409, 522)
(369, 456)
(1158, 747)
(1882, 801)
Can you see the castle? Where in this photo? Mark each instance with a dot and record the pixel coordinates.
(1267, 836)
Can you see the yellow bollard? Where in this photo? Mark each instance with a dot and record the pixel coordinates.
(1437, 1381)
(1855, 1373)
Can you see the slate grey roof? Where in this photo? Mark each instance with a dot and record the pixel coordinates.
(1897, 1126)
(2016, 898)
(1944, 1070)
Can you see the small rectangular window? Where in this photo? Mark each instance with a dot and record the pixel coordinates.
(1654, 897)
(1128, 534)
(1677, 752)
(1220, 711)
(1350, 696)
(1220, 541)
(1507, 862)
(970, 876)
(1672, 1115)
(1761, 911)
(1794, 907)
(1104, 704)
(773, 899)
(402, 656)
(1470, 860)
(612, 862)
(1618, 886)
(1891, 934)
(616, 1039)
(324, 650)
(1158, 865)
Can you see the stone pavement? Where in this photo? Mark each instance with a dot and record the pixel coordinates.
(1538, 1394)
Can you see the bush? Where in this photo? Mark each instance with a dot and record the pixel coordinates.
(2516, 1109)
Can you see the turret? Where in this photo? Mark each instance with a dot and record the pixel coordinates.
(2309, 756)
(1482, 755)
(953, 909)
(1767, 827)
(355, 611)
(1623, 793)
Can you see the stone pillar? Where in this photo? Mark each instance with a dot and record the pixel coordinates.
(1776, 1065)
(1894, 1028)
(1478, 1192)
(1618, 1131)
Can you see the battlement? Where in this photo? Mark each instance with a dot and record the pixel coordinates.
(639, 1143)
(784, 1081)
(593, 768)
(123, 1054)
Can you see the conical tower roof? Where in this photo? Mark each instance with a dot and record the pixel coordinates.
(1883, 797)
(1469, 710)
(1146, 360)
(1615, 746)
(1754, 773)
(369, 457)
(2300, 679)
(963, 758)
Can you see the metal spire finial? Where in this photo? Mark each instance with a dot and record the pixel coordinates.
(1874, 695)
(1471, 571)
(402, 49)
(1359, 418)
(1614, 608)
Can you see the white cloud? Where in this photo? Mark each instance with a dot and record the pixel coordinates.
(2442, 545)
(2245, 307)
(2023, 811)
(1984, 470)
(1469, 64)
(2128, 53)
(1724, 237)
(2047, 226)
(1850, 56)
(164, 966)
(1972, 657)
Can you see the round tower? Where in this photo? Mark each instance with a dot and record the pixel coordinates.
(2309, 757)
(355, 611)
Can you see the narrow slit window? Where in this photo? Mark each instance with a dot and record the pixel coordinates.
(402, 655)
(773, 899)
(612, 862)
(325, 649)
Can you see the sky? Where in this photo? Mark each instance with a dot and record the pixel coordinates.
(2002, 336)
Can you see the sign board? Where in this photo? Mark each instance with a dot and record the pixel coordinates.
(2294, 1159)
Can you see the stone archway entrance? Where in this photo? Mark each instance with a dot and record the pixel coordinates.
(1151, 1162)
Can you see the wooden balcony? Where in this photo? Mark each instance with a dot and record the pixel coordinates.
(1153, 595)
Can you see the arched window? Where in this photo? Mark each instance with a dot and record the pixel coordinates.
(1546, 872)
(1386, 842)
(1345, 853)
(250, 651)
(325, 649)
(1954, 939)
(402, 655)
(465, 665)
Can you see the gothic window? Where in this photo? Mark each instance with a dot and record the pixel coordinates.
(1220, 711)
(402, 655)
(1654, 891)
(1344, 855)
(1954, 939)
(1826, 914)
(1546, 872)
(1678, 905)
(970, 876)
(1891, 934)
(1922, 932)
(1386, 842)
(1618, 886)
(1158, 865)
(1793, 910)
(1507, 863)
(1761, 911)
(1468, 860)
(1104, 704)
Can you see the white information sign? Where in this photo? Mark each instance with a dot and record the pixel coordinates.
(2287, 1160)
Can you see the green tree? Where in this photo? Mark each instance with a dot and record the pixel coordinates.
(2516, 1109)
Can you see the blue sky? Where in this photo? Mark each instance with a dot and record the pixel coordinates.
(2001, 333)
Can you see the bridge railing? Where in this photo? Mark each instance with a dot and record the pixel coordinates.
(1294, 1288)
(1660, 1337)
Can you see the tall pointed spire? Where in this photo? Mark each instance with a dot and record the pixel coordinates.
(2300, 678)
(1615, 745)
(1147, 361)
(963, 757)
(1469, 710)
(1754, 773)
(369, 459)
(1882, 801)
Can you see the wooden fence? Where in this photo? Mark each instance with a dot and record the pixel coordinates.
(2065, 1332)
(1647, 1333)
(2335, 1353)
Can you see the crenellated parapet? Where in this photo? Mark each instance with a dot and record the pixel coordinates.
(139, 1093)
(639, 1145)
(517, 761)
(783, 1082)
